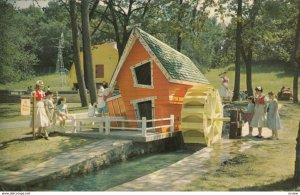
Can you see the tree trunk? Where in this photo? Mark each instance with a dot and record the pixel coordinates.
(295, 82)
(87, 52)
(238, 53)
(76, 54)
(248, 64)
(179, 39)
(294, 60)
(248, 58)
(297, 162)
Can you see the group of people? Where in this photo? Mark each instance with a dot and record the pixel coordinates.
(262, 112)
(45, 114)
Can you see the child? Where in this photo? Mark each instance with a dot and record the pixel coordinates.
(273, 118)
(249, 112)
(62, 111)
(41, 120)
(49, 106)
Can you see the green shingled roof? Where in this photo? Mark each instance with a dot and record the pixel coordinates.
(179, 66)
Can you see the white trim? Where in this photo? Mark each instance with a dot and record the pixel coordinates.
(152, 98)
(135, 81)
(153, 56)
(131, 40)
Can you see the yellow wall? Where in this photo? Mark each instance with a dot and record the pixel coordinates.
(106, 54)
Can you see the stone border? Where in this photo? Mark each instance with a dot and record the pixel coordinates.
(87, 159)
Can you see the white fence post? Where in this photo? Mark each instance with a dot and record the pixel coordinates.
(171, 123)
(77, 127)
(144, 126)
(107, 125)
(101, 125)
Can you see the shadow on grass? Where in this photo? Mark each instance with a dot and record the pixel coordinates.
(282, 185)
(23, 139)
(8, 112)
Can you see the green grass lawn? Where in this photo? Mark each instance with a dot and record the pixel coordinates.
(19, 151)
(267, 166)
(270, 77)
(52, 80)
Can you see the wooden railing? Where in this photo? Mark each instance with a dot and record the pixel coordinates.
(105, 124)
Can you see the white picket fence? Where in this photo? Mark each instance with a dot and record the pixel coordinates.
(105, 124)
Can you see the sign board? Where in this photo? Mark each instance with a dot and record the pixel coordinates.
(25, 105)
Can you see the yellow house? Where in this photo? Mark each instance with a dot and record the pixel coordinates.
(105, 59)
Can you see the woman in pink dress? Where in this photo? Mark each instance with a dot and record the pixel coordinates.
(41, 119)
(260, 111)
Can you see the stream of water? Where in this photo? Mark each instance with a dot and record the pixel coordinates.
(116, 174)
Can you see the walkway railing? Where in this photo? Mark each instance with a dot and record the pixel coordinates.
(106, 124)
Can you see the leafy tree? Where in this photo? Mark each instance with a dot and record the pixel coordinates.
(54, 22)
(281, 35)
(16, 60)
(249, 39)
(121, 16)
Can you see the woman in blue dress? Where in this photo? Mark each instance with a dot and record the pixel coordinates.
(273, 118)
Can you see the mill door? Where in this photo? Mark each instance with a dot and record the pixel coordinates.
(145, 110)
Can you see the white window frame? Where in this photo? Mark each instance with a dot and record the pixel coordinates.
(135, 81)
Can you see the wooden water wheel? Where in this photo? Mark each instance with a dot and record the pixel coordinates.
(202, 115)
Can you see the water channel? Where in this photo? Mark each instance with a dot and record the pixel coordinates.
(116, 174)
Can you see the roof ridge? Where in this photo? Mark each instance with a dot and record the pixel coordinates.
(178, 66)
(156, 39)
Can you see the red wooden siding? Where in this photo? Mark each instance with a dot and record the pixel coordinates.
(162, 88)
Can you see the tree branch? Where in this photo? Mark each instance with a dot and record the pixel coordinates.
(65, 5)
(101, 20)
(94, 7)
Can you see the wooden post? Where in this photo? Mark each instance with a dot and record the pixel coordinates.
(240, 123)
(33, 114)
(144, 126)
(172, 123)
(107, 125)
(297, 162)
(235, 124)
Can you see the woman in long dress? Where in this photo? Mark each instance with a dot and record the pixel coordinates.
(273, 118)
(260, 110)
(41, 119)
